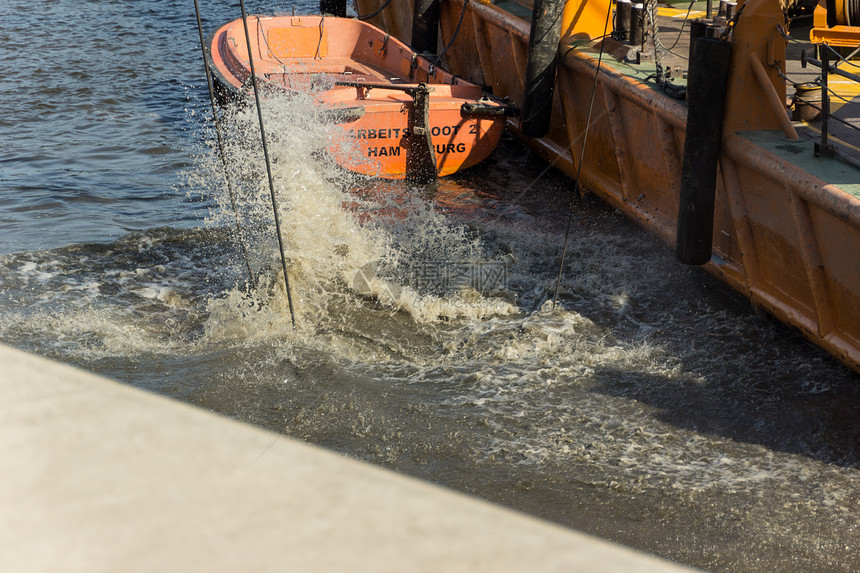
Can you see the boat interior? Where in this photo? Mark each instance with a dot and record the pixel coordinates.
(299, 52)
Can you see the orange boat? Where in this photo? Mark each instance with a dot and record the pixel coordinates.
(402, 116)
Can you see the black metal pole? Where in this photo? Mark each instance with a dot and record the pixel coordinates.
(706, 95)
(221, 152)
(637, 25)
(622, 19)
(698, 29)
(268, 163)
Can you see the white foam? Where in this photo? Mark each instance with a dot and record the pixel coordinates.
(334, 239)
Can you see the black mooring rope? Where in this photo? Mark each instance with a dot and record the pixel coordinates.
(268, 163)
(581, 157)
(454, 36)
(221, 153)
(369, 16)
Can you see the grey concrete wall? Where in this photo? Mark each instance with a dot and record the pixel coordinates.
(96, 476)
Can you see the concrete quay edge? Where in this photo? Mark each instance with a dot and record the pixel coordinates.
(99, 476)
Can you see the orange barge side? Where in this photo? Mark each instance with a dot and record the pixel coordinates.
(787, 227)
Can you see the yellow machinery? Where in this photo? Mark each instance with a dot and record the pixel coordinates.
(837, 23)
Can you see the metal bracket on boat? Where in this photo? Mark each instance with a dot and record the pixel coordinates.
(367, 86)
(384, 47)
(413, 65)
(421, 158)
(421, 161)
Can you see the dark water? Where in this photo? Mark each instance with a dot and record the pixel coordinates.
(654, 407)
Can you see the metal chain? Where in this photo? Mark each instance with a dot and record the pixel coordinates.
(730, 25)
(268, 162)
(222, 154)
(665, 84)
(837, 96)
(841, 58)
(782, 75)
(829, 117)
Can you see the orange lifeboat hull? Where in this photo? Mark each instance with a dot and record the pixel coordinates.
(369, 81)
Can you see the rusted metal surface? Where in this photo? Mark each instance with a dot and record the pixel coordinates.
(783, 237)
(772, 98)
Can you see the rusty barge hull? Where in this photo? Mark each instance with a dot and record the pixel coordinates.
(786, 230)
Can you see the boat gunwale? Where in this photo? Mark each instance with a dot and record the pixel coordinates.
(810, 188)
(440, 77)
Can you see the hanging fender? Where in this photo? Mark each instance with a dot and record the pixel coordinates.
(540, 69)
(706, 96)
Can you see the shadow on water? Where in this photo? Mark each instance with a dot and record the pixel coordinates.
(739, 374)
(774, 405)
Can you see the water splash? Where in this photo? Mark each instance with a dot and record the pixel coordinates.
(342, 235)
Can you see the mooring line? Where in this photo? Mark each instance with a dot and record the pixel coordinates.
(454, 36)
(221, 153)
(369, 16)
(581, 157)
(268, 163)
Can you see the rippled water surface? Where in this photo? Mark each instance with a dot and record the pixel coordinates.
(652, 406)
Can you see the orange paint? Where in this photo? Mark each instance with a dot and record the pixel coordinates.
(304, 53)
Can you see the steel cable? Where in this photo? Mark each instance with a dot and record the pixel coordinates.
(581, 157)
(221, 152)
(268, 163)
